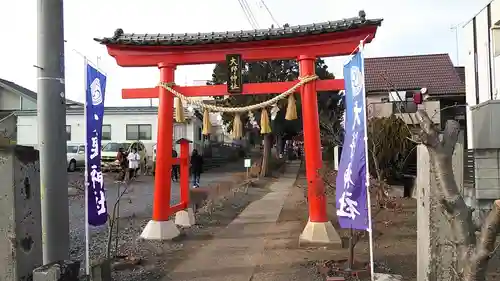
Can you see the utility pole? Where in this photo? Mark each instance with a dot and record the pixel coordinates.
(455, 28)
(51, 107)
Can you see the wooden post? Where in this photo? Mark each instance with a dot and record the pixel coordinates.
(316, 195)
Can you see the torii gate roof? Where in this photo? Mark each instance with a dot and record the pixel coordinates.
(190, 39)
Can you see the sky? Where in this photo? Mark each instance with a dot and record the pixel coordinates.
(410, 27)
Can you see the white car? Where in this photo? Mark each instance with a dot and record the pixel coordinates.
(75, 155)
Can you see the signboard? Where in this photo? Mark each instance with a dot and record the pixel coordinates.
(248, 163)
(234, 74)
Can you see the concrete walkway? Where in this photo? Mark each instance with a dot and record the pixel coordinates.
(234, 253)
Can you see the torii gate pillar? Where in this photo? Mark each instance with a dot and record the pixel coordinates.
(319, 229)
(160, 227)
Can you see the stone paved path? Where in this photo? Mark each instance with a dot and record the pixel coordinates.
(234, 253)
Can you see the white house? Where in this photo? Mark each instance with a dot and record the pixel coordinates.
(19, 123)
(15, 98)
(482, 78)
(120, 124)
(482, 68)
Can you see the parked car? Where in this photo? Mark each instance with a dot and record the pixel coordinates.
(75, 156)
(110, 150)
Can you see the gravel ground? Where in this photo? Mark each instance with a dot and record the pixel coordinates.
(135, 212)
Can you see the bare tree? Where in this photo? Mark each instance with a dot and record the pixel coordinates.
(114, 220)
(473, 252)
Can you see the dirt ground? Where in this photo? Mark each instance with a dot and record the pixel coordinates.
(395, 239)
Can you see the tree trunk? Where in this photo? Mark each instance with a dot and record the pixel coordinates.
(280, 145)
(266, 154)
(473, 254)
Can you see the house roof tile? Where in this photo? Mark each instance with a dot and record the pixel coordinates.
(187, 39)
(434, 72)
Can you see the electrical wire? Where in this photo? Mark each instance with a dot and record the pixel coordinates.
(270, 13)
(247, 8)
(246, 14)
(250, 12)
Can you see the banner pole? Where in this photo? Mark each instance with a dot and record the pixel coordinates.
(87, 234)
(368, 197)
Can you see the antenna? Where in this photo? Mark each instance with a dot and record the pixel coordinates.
(455, 28)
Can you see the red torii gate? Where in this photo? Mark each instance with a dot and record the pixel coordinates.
(304, 43)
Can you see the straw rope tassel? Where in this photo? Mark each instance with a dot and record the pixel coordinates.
(179, 111)
(291, 110)
(237, 127)
(207, 126)
(265, 127)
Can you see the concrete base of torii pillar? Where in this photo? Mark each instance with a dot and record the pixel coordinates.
(320, 234)
(185, 218)
(160, 230)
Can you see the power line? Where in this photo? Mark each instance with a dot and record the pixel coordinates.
(455, 29)
(248, 10)
(257, 26)
(269, 12)
(246, 14)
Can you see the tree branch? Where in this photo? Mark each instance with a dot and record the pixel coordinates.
(486, 244)
(440, 154)
(429, 135)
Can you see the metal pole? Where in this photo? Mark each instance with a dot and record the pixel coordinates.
(368, 197)
(87, 227)
(52, 133)
(455, 28)
(350, 257)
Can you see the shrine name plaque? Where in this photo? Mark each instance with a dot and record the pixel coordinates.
(234, 73)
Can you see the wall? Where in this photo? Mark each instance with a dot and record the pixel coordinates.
(12, 101)
(9, 100)
(377, 108)
(8, 127)
(27, 104)
(482, 70)
(27, 129)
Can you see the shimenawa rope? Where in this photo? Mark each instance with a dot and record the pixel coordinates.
(214, 108)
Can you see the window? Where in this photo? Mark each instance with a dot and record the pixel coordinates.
(106, 132)
(114, 146)
(71, 149)
(68, 132)
(405, 106)
(134, 146)
(139, 132)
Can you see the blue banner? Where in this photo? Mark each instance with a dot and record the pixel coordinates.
(351, 191)
(94, 106)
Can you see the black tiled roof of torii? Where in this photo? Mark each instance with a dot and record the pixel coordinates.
(187, 39)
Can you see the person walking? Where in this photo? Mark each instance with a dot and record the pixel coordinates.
(175, 168)
(196, 167)
(122, 161)
(133, 163)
